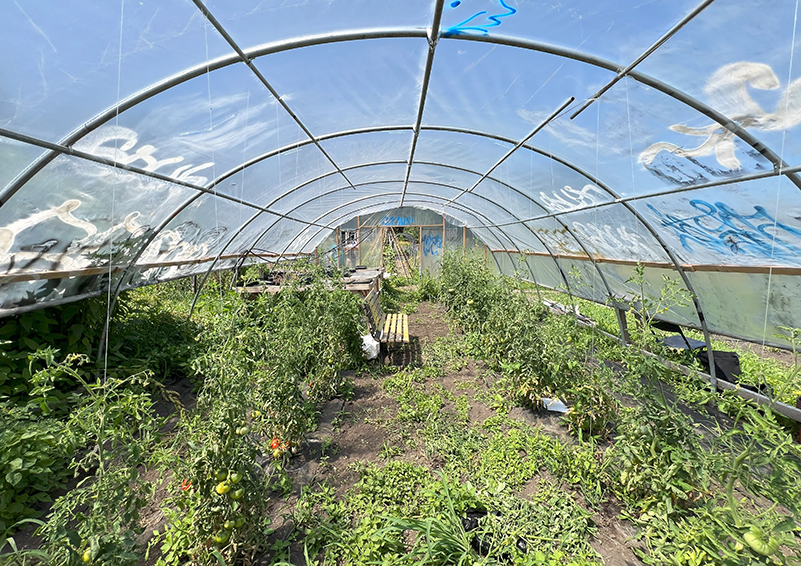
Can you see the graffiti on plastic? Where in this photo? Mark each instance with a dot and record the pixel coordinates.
(615, 241)
(79, 253)
(569, 198)
(727, 91)
(388, 220)
(721, 229)
(116, 142)
(476, 23)
(120, 240)
(432, 244)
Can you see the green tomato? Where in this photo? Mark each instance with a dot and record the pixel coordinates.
(758, 544)
(235, 477)
(222, 537)
(228, 525)
(239, 523)
(238, 494)
(87, 556)
(242, 430)
(222, 488)
(221, 475)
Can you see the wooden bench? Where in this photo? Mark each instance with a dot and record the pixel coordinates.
(386, 328)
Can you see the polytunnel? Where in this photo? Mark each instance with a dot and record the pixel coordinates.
(149, 141)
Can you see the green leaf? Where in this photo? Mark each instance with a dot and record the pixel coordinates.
(216, 554)
(13, 478)
(788, 524)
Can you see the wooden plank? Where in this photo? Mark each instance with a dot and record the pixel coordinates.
(406, 328)
(393, 325)
(397, 327)
(386, 330)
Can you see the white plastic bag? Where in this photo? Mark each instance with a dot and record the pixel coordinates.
(370, 347)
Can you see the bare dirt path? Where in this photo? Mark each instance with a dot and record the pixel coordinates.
(360, 430)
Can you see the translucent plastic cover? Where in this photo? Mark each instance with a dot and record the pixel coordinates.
(567, 141)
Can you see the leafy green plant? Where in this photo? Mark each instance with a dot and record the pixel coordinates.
(33, 462)
(659, 460)
(72, 329)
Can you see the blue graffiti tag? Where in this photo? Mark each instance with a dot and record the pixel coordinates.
(397, 220)
(492, 21)
(432, 244)
(721, 229)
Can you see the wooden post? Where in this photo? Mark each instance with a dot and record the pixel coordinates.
(339, 247)
(359, 240)
(443, 235)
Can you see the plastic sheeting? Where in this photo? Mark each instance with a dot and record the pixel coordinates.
(143, 142)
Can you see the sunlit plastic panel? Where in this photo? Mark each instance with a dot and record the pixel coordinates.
(375, 173)
(272, 180)
(292, 235)
(14, 158)
(743, 72)
(512, 199)
(488, 209)
(372, 147)
(344, 199)
(472, 243)
(353, 84)
(618, 30)
(555, 186)
(506, 263)
(503, 90)
(545, 270)
(515, 237)
(637, 140)
(518, 266)
(469, 151)
(199, 129)
(522, 237)
(371, 248)
(438, 192)
(67, 65)
(326, 246)
(282, 237)
(556, 237)
(505, 240)
(253, 22)
(614, 232)
(443, 173)
(151, 275)
(757, 223)
(584, 279)
(672, 295)
(249, 234)
(76, 214)
(322, 244)
(198, 232)
(736, 304)
(310, 192)
(491, 238)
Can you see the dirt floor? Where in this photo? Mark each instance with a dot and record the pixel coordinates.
(356, 431)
